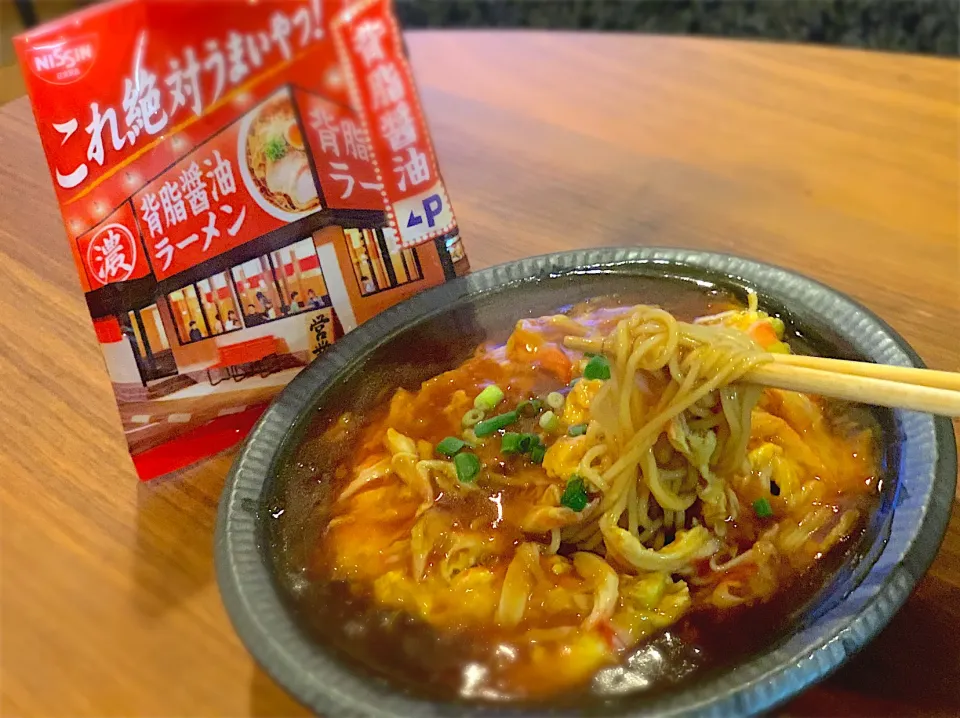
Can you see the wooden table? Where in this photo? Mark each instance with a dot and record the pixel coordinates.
(840, 164)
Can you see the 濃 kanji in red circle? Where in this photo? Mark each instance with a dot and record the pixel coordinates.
(112, 254)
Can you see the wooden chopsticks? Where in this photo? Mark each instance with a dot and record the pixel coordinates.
(934, 392)
(897, 387)
(906, 375)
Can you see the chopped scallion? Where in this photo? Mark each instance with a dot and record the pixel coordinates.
(510, 443)
(514, 443)
(575, 495)
(529, 407)
(549, 421)
(275, 148)
(762, 508)
(468, 467)
(528, 441)
(555, 400)
(537, 453)
(577, 430)
(597, 368)
(450, 446)
(494, 424)
(488, 398)
(471, 418)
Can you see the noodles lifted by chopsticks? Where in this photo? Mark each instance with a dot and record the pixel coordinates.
(661, 428)
(570, 519)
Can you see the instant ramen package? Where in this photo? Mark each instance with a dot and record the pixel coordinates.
(241, 183)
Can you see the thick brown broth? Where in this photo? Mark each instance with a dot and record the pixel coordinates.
(394, 645)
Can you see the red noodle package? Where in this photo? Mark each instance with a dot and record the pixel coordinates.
(241, 184)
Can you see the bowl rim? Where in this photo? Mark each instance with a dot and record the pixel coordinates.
(321, 682)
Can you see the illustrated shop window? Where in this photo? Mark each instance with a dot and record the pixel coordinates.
(149, 335)
(259, 291)
(204, 309)
(455, 248)
(299, 277)
(152, 352)
(219, 306)
(376, 266)
(187, 315)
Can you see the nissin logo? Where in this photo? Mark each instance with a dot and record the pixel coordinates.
(65, 61)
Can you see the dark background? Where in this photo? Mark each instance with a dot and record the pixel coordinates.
(929, 27)
(919, 26)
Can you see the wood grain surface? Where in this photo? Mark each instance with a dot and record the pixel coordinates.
(840, 164)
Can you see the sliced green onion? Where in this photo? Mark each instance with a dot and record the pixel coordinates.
(488, 398)
(597, 368)
(575, 495)
(555, 400)
(495, 423)
(778, 326)
(549, 421)
(450, 446)
(468, 467)
(471, 418)
(762, 508)
(514, 443)
(470, 438)
(510, 443)
(528, 441)
(537, 453)
(530, 407)
(577, 430)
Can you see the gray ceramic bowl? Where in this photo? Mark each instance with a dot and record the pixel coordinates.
(433, 332)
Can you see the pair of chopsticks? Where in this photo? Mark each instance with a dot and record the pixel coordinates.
(927, 390)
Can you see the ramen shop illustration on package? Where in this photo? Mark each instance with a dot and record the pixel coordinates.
(241, 184)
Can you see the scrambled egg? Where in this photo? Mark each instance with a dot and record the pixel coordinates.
(647, 604)
(576, 409)
(469, 598)
(563, 458)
